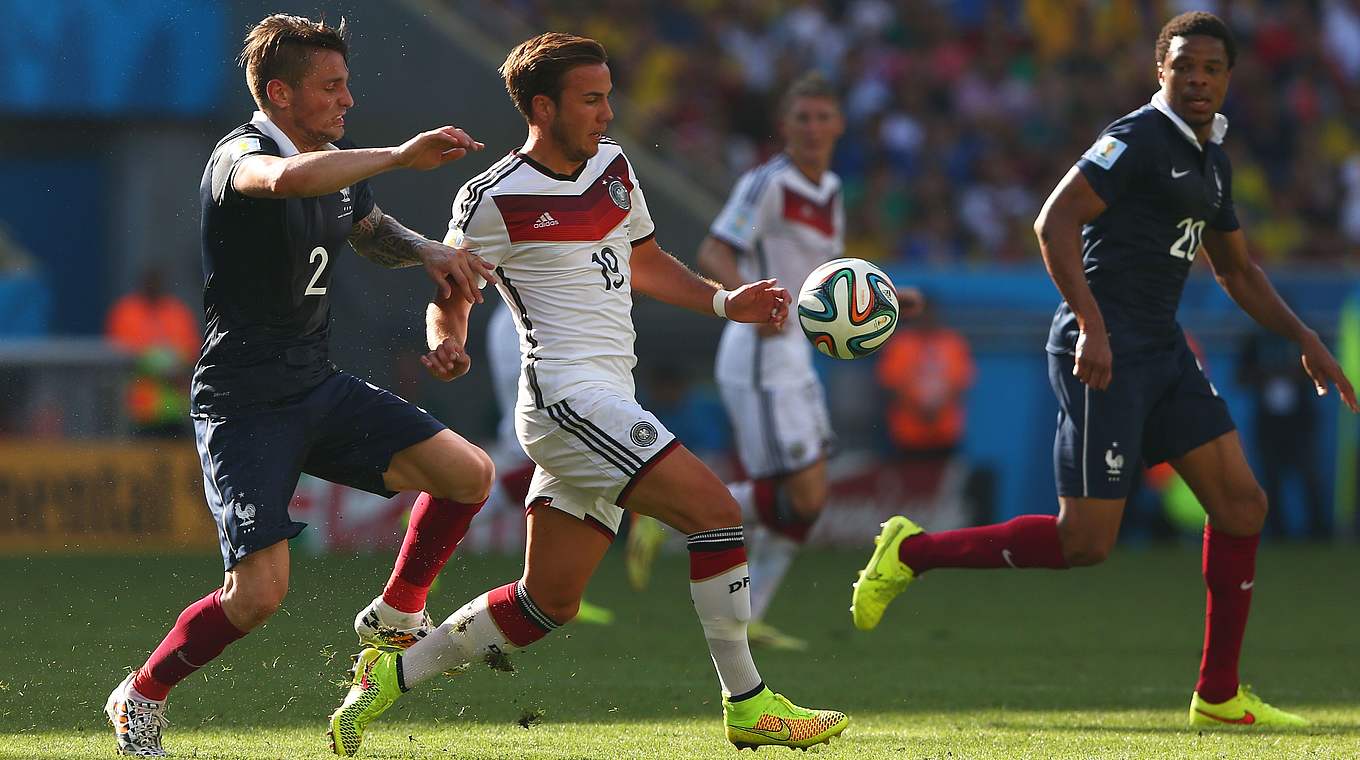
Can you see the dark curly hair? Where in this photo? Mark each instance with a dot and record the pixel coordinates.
(1196, 22)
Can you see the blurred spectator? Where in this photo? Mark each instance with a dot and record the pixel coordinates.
(985, 101)
(1283, 402)
(926, 369)
(163, 333)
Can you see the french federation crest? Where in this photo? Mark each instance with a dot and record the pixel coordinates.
(619, 194)
(643, 434)
(245, 513)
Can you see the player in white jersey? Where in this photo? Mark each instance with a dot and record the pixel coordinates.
(565, 224)
(514, 468)
(783, 219)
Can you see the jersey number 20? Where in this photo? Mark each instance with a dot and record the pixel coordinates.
(1192, 233)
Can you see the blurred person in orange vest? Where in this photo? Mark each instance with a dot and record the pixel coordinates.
(926, 369)
(162, 332)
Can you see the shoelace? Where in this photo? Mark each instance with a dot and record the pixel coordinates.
(1251, 696)
(145, 723)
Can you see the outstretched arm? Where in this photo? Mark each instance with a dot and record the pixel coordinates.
(1250, 289)
(380, 238)
(718, 259)
(662, 276)
(1072, 204)
(446, 321)
(323, 172)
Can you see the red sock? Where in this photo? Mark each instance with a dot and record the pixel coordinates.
(436, 527)
(200, 634)
(1230, 573)
(1026, 541)
(778, 517)
(516, 482)
(516, 615)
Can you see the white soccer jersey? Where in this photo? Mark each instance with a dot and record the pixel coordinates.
(784, 226)
(561, 246)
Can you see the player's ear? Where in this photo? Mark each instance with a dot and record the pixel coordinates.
(280, 94)
(543, 109)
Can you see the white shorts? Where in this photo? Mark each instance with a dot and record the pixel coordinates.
(778, 430)
(591, 448)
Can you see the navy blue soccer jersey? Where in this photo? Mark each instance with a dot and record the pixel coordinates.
(267, 266)
(1160, 190)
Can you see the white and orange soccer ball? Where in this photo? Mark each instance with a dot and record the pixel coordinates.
(847, 308)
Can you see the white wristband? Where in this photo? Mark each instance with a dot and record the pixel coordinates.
(720, 302)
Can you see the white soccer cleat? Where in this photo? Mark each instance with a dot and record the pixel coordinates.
(373, 632)
(136, 723)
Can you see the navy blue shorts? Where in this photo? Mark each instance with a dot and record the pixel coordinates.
(1156, 408)
(345, 430)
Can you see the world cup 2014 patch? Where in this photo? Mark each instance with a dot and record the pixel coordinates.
(1106, 151)
(246, 145)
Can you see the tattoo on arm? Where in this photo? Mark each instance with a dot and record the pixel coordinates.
(384, 241)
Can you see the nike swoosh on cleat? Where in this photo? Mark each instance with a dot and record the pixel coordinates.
(1246, 720)
(783, 735)
(1246, 585)
(1006, 555)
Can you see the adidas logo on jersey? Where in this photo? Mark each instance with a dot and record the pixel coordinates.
(546, 220)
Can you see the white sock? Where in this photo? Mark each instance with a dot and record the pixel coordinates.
(389, 615)
(475, 632)
(720, 587)
(770, 557)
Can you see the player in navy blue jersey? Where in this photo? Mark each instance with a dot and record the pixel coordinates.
(281, 196)
(1119, 235)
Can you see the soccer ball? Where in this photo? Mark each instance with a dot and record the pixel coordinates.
(847, 308)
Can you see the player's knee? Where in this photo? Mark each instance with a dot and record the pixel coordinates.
(808, 503)
(1086, 552)
(1249, 512)
(470, 482)
(247, 608)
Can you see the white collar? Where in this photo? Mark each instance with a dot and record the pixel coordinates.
(1216, 135)
(286, 147)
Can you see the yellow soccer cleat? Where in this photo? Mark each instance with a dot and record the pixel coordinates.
(374, 689)
(885, 576)
(594, 614)
(769, 718)
(645, 537)
(1245, 709)
(765, 635)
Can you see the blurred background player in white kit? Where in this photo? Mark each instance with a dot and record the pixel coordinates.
(514, 468)
(783, 219)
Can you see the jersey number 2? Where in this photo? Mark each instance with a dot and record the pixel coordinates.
(609, 267)
(317, 253)
(1187, 245)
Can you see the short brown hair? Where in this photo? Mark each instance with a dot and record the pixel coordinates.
(536, 66)
(280, 46)
(813, 84)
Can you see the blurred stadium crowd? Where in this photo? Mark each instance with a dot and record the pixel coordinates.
(961, 115)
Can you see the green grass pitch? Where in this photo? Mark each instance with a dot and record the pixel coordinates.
(1093, 663)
